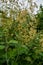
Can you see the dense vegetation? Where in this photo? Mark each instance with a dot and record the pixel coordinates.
(21, 38)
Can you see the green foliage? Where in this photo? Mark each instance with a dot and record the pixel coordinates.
(40, 18)
(19, 40)
(2, 47)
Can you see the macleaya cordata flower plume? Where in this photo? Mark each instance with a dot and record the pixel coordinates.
(21, 33)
